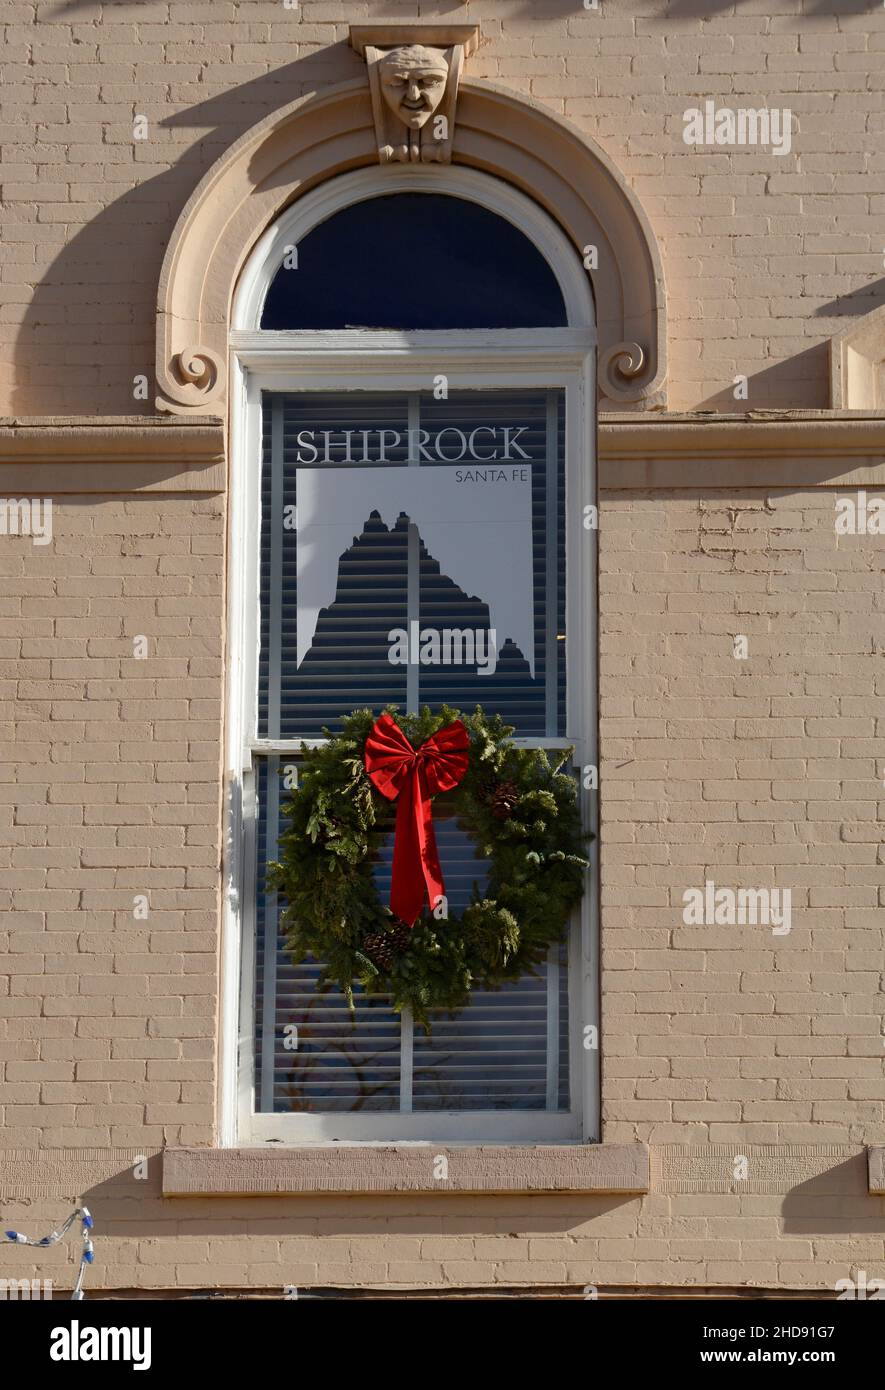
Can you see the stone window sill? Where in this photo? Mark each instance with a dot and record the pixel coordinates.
(381, 1169)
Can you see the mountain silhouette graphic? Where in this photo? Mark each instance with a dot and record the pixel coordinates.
(351, 644)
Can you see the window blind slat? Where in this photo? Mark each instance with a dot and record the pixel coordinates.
(496, 1053)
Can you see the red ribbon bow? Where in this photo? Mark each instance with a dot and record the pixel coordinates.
(413, 776)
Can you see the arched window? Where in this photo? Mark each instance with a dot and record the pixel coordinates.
(412, 352)
(415, 261)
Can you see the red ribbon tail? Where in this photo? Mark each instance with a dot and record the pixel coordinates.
(416, 867)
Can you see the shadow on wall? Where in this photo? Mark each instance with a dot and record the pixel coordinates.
(539, 10)
(835, 1203)
(800, 382)
(89, 327)
(88, 330)
(712, 9)
(860, 301)
(145, 1241)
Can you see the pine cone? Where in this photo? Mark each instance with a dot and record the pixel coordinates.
(400, 936)
(485, 789)
(378, 946)
(383, 946)
(503, 800)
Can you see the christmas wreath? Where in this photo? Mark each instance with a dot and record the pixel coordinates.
(520, 810)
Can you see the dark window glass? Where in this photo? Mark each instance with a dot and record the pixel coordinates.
(415, 261)
(343, 661)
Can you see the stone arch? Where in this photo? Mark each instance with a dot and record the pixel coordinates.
(318, 137)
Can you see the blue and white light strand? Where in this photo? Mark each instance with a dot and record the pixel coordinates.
(86, 1258)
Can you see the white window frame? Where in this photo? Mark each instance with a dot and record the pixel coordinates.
(363, 360)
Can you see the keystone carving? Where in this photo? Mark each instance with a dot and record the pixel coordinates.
(414, 71)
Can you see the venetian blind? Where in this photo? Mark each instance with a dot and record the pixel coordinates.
(508, 1050)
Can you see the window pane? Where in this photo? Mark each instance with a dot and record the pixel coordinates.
(515, 691)
(484, 474)
(342, 1061)
(443, 521)
(496, 1054)
(493, 1055)
(477, 270)
(346, 665)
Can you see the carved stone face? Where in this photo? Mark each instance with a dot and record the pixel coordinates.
(413, 81)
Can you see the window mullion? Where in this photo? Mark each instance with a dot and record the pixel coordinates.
(413, 704)
(271, 930)
(551, 579)
(552, 973)
(275, 586)
(274, 693)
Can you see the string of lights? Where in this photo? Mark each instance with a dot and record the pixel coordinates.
(88, 1253)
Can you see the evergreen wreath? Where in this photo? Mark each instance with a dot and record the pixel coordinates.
(521, 812)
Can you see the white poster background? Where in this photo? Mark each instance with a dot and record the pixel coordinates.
(480, 532)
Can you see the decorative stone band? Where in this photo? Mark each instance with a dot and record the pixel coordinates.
(71, 454)
(764, 449)
(69, 1174)
(804, 1171)
(809, 1169)
(427, 1168)
(636, 451)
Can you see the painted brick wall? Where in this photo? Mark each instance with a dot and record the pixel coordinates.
(765, 257)
(760, 772)
(110, 789)
(808, 1241)
(750, 772)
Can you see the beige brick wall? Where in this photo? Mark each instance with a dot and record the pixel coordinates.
(109, 789)
(752, 773)
(798, 1241)
(764, 772)
(756, 772)
(765, 257)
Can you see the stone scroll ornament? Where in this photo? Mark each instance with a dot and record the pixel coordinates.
(414, 87)
(377, 777)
